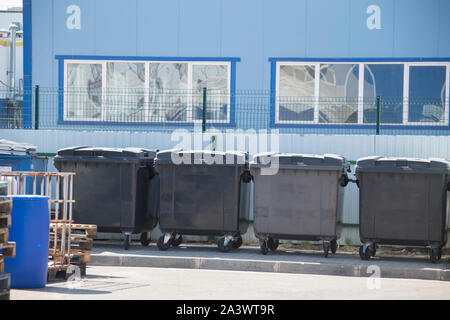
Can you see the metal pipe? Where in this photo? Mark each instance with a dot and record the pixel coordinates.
(12, 59)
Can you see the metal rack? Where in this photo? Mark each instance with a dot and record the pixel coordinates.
(58, 186)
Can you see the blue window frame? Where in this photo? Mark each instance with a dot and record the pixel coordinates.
(111, 90)
(341, 93)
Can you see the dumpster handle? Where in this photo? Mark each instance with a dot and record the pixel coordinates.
(247, 177)
(354, 181)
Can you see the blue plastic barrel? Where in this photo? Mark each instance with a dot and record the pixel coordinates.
(30, 230)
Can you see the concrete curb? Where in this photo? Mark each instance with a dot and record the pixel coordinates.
(352, 270)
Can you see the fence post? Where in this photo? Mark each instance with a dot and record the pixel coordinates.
(36, 107)
(378, 115)
(204, 111)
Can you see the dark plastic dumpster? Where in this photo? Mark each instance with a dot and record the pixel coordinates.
(202, 197)
(300, 200)
(402, 201)
(16, 156)
(30, 231)
(115, 189)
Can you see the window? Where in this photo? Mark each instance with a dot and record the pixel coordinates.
(84, 91)
(346, 92)
(338, 92)
(146, 91)
(296, 93)
(168, 91)
(426, 93)
(125, 91)
(384, 80)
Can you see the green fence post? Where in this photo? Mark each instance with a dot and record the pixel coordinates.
(378, 115)
(204, 111)
(36, 107)
(213, 143)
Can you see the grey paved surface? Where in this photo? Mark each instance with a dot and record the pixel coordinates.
(194, 256)
(167, 283)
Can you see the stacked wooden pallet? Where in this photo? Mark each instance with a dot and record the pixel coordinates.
(7, 248)
(81, 242)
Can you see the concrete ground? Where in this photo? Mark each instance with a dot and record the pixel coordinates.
(283, 260)
(111, 283)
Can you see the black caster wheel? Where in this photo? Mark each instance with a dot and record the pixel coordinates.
(127, 241)
(145, 239)
(263, 246)
(435, 255)
(222, 246)
(333, 246)
(374, 250)
(272, 244)
(177, 240)
(365, 254)
(237, 242)
(326, 249)
(161, 245)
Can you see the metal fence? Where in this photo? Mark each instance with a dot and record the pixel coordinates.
(167, 110)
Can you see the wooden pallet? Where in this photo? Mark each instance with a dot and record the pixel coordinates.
(62, 272)
(5, 221)
(4, 235)
(77, 255)
(81, 256)
(83, 244)
(89, 230)
(5, 206)
(2, 264)
(8, 249)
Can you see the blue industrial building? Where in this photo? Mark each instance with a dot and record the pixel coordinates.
(306, 66)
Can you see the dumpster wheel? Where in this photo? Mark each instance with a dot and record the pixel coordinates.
(237, 242)
(326, 248)
(225, 244)
(263, 246)
(272, 244)
(163, 246)
(365, 252)
(127, 241)
(145, 239)
(374, 250)
(333, 246)
(435, 254)
(177, 240)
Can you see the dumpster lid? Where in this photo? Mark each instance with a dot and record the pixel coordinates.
(378, 163)
(201, 157)
(105, 152)
(300, 160)
(16, 148)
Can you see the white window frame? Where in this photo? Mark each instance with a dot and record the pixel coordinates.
(190, 111)
(191, 89)
(65, 97)
(406, 93)
(361, 74)
(316, 92)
